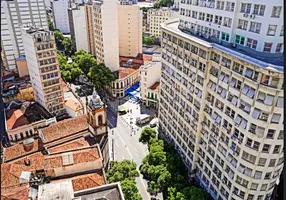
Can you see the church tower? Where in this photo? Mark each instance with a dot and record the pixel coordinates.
(96, 114)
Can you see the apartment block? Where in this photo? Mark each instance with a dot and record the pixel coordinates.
(106, 33)
(13, 15)
(78, 27)
(41, 56)
(90, 28)
(155, 17)
(60, 13)
(130, 30)
(221, 100)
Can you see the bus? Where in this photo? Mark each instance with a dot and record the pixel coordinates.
(143, 119)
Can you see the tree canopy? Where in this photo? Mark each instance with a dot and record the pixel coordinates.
(146, 134)
(125, 172)
(164, 3)
(166, 172)
(148, 40)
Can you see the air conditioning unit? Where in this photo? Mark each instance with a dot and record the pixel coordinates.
(245, 15)
(252, 16)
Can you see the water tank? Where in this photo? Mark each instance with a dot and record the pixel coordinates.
(28, 144)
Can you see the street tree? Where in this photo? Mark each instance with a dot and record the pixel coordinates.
(148, 40)
(120, 171)
(59, 37)
(146, 134)
(130, 190)
(67, 45)
(85, 62)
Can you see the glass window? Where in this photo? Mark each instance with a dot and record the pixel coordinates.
(251, 43)
(255, 27)
(259, 9)
(245, 7)
(263, 187)
(262, 161)
(282, 31)
(271, 29)
(267, 47)
(265, 148)
(225, 36)
(279, 48)
(239, 39)
(276, 11)
(272, 163)
(242, 24)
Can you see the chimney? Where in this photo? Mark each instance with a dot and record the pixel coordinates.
(28, 144)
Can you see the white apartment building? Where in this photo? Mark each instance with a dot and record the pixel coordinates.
(41, 56)
(78, 27)
(106, 33)
(60, 13)
(150, 73)
(14, 14)
(221, 100)
(155, 17)
(130, 30)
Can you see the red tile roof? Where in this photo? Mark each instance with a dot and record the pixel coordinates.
(17, 119)
(19, 192)
(64, 128)
(124, 72)
(18, 150)
(155, 86)
(73, 104)
(75, 144)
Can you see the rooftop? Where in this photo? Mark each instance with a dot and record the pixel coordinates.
(109, 192)
(23, 113)
(155, 86)
(275, 63)
(64, 128)
(73, 104)
(124, 72)
(74, 144)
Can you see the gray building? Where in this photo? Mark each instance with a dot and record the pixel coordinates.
(14, 14)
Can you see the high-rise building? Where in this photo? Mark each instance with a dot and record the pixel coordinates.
(41, 56)
(106, 33)
(13, 15)
(221, 100)
(90, 28)
(130, 30)
(78, 27)
(60, 13)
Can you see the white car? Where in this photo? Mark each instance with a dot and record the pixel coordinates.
(154, 122)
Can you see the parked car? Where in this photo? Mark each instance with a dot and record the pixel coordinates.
(154, 122)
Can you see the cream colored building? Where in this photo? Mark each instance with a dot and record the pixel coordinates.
(130, 30)
(155, 17)
(90, 28)
(223, 109)
(22, 66)
(106, 33)
(149, 74)
(41, 56)
(73, 107)
(152, 96)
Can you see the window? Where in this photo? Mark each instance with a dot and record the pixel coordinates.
(276, 118)
(225, 36)
(278, 48)
(245, 8)
(281, 135)
(251, 74)
(254, 186)
(272, 163)
(201, 16)
(248, 157)
(267, 47)
(261, 162)
(227, 22)
(242, 24)
(220, 5)
(218, 20)
(194, 14)
(209, 18)
(239, 39)
(271, 30)
(263, 187)
(282, 31)
(276, 149)
(258, 175)
(270, 134)
(265, 148)
(276, 11)
(255, 27)
(230, 6)
(259, 9)
(251, 43)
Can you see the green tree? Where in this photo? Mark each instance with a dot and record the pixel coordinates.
(148, 40)
(50, 23)
(130, 190)
(67, 45)
(85, 62)
(59, 37)
(119, 171)
(146, 134)
(101, 76)
(61, 58)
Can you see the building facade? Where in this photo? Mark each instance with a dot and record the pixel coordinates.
(149, 74)
(41, 56)
(14, 14)
(130, 30)
(223, 107)
(90, 28)
(78, 27)
(60, 13)
(106, 33)
(155, 17)
(152, 96)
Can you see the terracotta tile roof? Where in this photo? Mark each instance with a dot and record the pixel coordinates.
(20, 192)
(64, 128)
(17, 119)
(80, 156)
(18, 150)
(123, 72)
(155, 86)
(73, 104)
(75, 144)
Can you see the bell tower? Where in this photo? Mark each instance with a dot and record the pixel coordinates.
(96, 114)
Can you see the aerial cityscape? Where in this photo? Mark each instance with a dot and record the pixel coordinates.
(142, 100)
